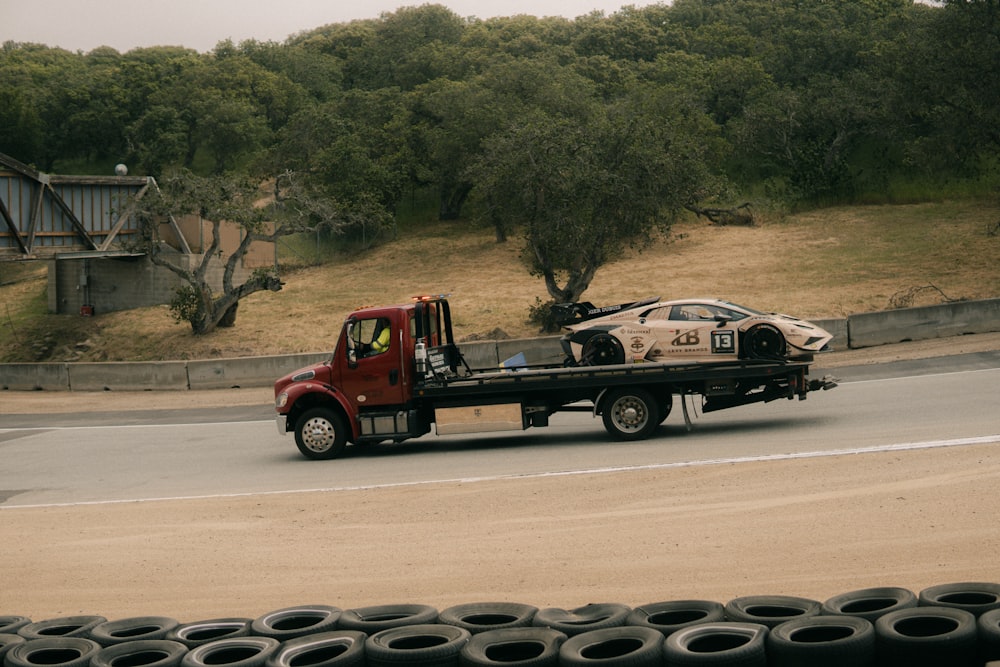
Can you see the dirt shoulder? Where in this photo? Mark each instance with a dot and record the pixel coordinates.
(810, 527)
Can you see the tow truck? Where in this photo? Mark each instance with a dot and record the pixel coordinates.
(396, 371)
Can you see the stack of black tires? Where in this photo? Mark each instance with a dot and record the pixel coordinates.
(952, 625)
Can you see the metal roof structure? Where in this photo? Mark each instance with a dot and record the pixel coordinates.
(46, 214)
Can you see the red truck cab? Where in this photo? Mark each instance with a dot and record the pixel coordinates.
(372, 371)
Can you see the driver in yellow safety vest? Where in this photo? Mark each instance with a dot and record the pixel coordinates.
(381, 342)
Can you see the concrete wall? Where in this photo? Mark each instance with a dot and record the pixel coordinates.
(249, 372)
(121, 282)
(198, 233)
(948, 319)
(862, 330)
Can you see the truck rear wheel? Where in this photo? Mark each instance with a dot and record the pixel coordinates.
(321, 434)
(630, 414)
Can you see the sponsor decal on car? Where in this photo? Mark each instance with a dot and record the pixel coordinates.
(686, 339)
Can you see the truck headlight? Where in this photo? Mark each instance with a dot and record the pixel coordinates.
(281, 400)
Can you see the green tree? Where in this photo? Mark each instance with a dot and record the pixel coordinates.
(584, 189)
(947, 83)
(350, 151)
(220, 199)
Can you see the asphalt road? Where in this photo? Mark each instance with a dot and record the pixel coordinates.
(114, 457)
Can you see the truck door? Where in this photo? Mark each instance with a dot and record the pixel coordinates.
(373, 373)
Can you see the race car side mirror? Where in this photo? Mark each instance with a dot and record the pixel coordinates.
(722, 320)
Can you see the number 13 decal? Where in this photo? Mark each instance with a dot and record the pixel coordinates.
(723, 342)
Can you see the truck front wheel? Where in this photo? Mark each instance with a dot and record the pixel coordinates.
(630, 414)
(321, 434)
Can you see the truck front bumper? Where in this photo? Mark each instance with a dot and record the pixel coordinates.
(282, 423)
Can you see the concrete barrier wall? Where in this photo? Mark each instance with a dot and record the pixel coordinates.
(862, 330)
(246, 371)
(128, 376)
(33, 377)
(838, 328)
(120, 283)
(941, 321)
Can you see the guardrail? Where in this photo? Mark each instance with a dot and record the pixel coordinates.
(854, 331)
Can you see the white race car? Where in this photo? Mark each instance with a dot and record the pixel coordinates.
(683, 330)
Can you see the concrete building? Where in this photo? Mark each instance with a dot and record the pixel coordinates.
(82, 228)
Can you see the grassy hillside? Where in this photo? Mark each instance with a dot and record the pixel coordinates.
(824, 263)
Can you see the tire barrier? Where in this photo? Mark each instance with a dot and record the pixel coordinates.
(770, 610)
(431, 645)
(582, 619)
(337, 648)
(52, 652)
(63, 626)
(292, 622)
(382, 617)
(234, 652)
(11, 624)
(670, 616)
(925, 636)
(954, 624)
(141, 653)
(479, 617)
(513, 647)
(870, 603)
(722, 643)
(622, 645)
(9, 641)
(822, 641)
(976, 598)
(128, 629)
(197, 633)
(988, 632)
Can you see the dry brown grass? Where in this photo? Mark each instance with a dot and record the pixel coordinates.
(822, 264)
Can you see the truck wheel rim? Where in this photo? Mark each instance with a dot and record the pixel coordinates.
(318, 434)
(629, 413)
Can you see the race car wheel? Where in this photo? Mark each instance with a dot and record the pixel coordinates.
(321, 434)
(764, 342)
(602, 350)
(630, 414)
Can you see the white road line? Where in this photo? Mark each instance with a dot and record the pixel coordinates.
(906, 446)
(116, 426)
(833, 372)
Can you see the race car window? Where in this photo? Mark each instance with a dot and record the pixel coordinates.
(704, 312)
(657, 314)
(691, 311)
(732, 315)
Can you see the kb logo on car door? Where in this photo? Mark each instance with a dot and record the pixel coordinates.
(723, 342)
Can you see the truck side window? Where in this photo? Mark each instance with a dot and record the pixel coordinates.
(371, 337)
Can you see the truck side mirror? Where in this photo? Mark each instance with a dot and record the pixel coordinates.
(352, 358)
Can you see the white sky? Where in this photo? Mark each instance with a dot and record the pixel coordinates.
(82, 25)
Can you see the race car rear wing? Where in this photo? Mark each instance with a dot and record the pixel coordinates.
(565, 314)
